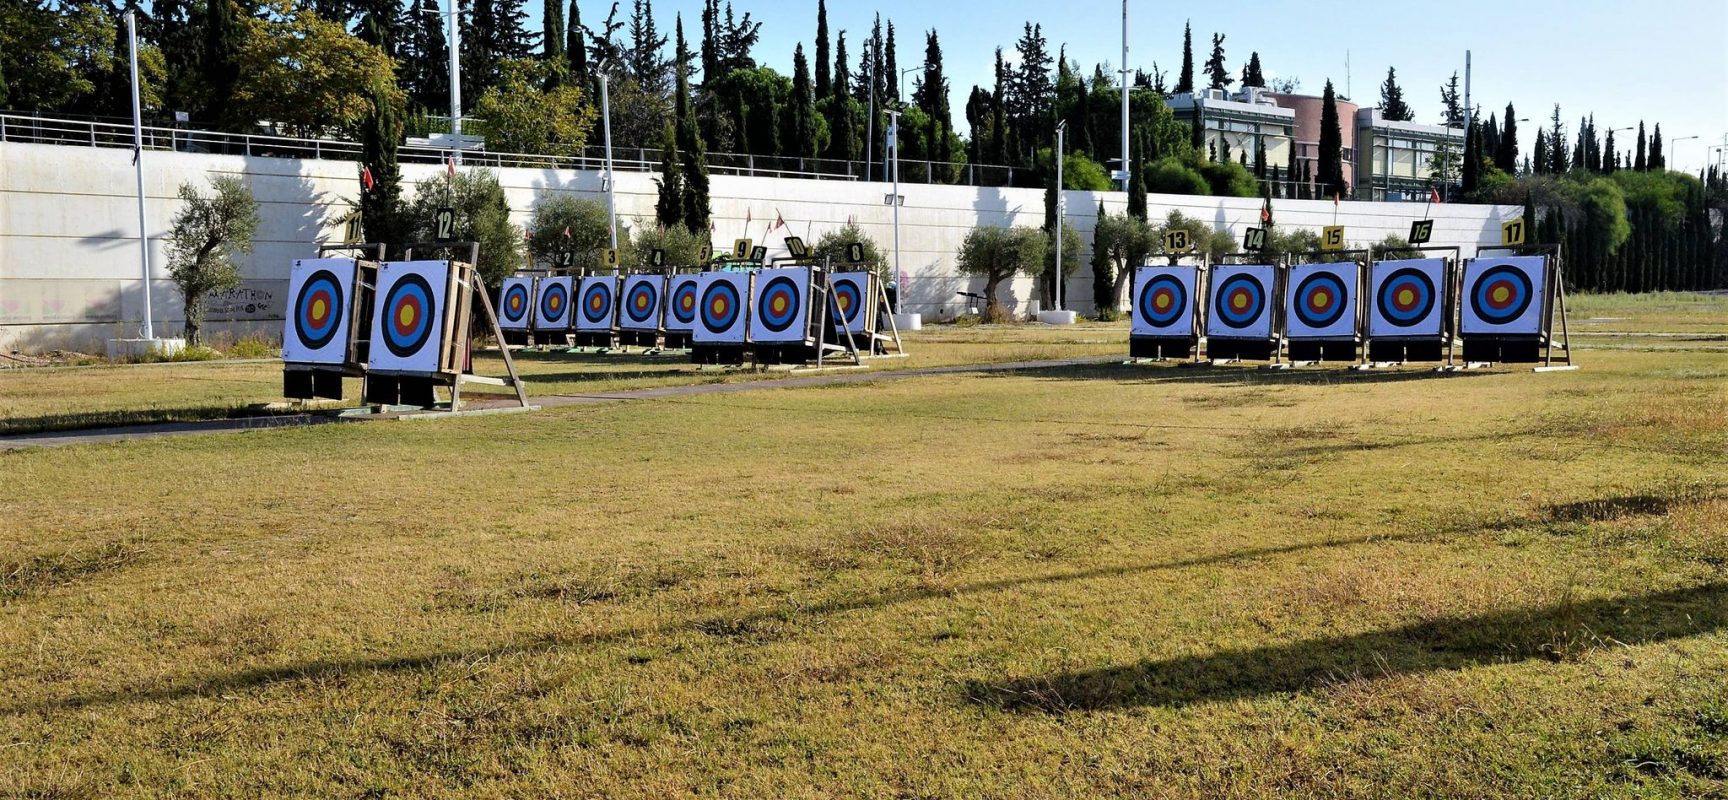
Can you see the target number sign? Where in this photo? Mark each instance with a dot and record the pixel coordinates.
(352, 229)
(1164, 301)
(706, 254)
(609, 258)
(720, 308)
(1177, 241)
(1512, 233)
(795, 246)
(682, 295)
(1405, 298)
(1421, 231)
(515, 301)
(597, 304)
(407, 328)
(657, 257)
(1322, 304)
(1332, 237)
(855, 252)
(1241, 303)
(444, 225)
(758, 254)
(1254, 239)
(317, 324)
(1504, 295)
(741, 249)
(567, 259)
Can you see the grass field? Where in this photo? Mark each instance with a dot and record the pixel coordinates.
(1089, 581)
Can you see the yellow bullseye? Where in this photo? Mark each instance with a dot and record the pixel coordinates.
(318, 308)
(1161, 302)
(405, 317)
(1322, 299)
(1239, 302)
(1501, 294)
(779, 305)
(1406, 297)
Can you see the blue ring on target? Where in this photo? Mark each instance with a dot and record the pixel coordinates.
(1406, 297)
(720, 309)
(408, 316)
(554, 301)
(316, 331)
(684, 302)
(515, 302)
(1168, 290)
(596, 301)
(849, 298)
(1252, 295)
(778, 304)
(1501, 295)
(642, 301)
(1320, 300)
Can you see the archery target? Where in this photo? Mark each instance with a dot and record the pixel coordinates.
(1241, 302)
(552, 307)
(316, 329)
(1164, 301)
(1407, 298)
(407, 330)
(597, 304)
(516, 303)
(682, 300)
(1321, 303)
(720, 308)
(642, 303)
(781, 305)
(1504, 295)
(853, 309)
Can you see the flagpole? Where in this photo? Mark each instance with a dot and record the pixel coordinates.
(138, 162)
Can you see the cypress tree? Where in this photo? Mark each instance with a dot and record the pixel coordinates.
(1218, 76)
(1506, 153)
(1260, 158)
(1392, 105)
(1331, 146)
(1251, 75)
(1641, 161)
(552, 41)
(1185, 79)
(644, 59)
(669, 209)
(689, 142)
(576, 48)
(1450, 103)
(4, 91)
(221, 68)
(803, 106)
(822, 84)
(424, 65)
(1610, 159)
(1103, 272)
(1657, 162)
(999, 114)
(383, 215)
(931, 95)
(1540, 162)
(840, 127)
(1137, 181)
(890, 66)
(1491, 140)
(1472, 159)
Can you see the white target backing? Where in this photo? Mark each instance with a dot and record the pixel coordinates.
(1320, 301)
(1240, 301)
(780, 305)
(1163, 301)
(722, 307)
(642, 300)
(854, 304)
(516, 303)
(553, 303)
(683, 300)
(1504, 296)
(597, 304)
(1407, 298)
(408, 322)
(321, 313)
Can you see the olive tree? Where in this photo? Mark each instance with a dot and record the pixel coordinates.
(1120, 243)
(206, 234)
(572, 230)
(997, 255)
(482, 215)
(683, 248)
(833, 246)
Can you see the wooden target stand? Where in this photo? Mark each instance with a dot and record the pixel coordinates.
(1186, 347)
(1236, 350)
(1316, 351)
(456, 356)
(304, 384)
(1553, 304)
(1416, 348)
(876, 342)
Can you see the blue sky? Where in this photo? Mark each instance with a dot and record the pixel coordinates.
(1660, 60)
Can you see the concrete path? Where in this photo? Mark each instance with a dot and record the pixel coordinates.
(134, 432)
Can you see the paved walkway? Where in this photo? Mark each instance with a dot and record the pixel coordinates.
(134, 432)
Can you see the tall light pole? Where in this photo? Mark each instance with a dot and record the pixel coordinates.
(606, 126)
(1061, 128)
(454, 15)
(1125, 159)
(138, 163)
(894, 199)
(870, 129)
(1672, 142)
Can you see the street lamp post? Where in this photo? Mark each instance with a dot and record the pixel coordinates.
(138, 163)
(1061, 128)
(606, 126)
(894, 199)
(1672, 142)
(1125, 160)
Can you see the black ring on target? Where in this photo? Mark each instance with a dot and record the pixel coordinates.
(849, 298)
(641, 302)
(1320, 300)
(1163, 301)
(515, 302)
(1501, 295)
(1406, 297)
(596, 301)
(408, 315)
(554, 300)
(1241, 301)
(778, 304)
(719, 306)
(684, 302)
(320, 293)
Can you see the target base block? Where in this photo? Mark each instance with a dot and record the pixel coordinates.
(1315, 351)
(1503, 351)
(785, 353)
(1227, 350)
(717, 354)
(1399, 351)
(1161, 348)
(677, 341)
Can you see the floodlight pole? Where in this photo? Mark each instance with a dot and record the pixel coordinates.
(1467, 122)
(606, 125)
(138, 163)
(455, 16)
(894, 145)
(1061, 128)
(869, 134)
(1125, 164)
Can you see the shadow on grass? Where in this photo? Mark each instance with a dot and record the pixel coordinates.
(1234, 375)
(322, 669)
(12, 426)
(1553, 633)
(1608, 509)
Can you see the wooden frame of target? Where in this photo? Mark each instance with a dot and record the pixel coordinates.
(642, 308)
(1244, 303)
(1409, 304)
(721, 332)
(1323, 309)
(1507, 306)
(328, 320)
(1165, 310)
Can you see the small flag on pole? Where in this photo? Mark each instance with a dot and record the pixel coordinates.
(450, 166)
(1266, 213)
(779, 221)
(1434, 195)
(567, 232)
(366, 181)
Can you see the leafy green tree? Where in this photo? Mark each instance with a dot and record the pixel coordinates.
(690, 146)
(588, 225)
(1394, 247)
(1173, 176)
(521, 117)
(1451, 103)
(682, 247)
(206, 234)
(1230, 179)
(1185, 78)
(1392, 105)
(998, 254)
(1119, 244)
(1331, 146)
(228, 45)
(383, 213)
(1214, 244)
(1216, 72)
(835, 245)
(1251, 74)
(645, 62)
(482, 215)
(305, 73)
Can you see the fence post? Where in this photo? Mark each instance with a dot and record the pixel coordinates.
(750, 164)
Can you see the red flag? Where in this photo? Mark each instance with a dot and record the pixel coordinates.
(779, 221)
(366, 181)
(450, 166)
(567, 232)
(1266, 212)
(527, 234)
(746, 222)
(1434, 195)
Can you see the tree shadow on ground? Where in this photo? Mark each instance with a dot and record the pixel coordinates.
(1204, 374)
(1553, 633)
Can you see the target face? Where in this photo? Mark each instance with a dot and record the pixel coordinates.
(1407, 298)
(552, 311)
(685, 296)
(515, 303)
(1504, 295)
(720, 309)
(1323, 303)
(1164, 301)
(410, 316)
(1241, 304)
(852, 309)
(315, 330)
(781, 305)
(598, 305)
(642, 302)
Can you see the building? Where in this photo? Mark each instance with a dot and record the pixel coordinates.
(1240, 124)
(1405, 160)
(1308, 110)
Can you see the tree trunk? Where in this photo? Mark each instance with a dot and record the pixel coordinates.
(194, 320)
(1123, 273)
(992, 307)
